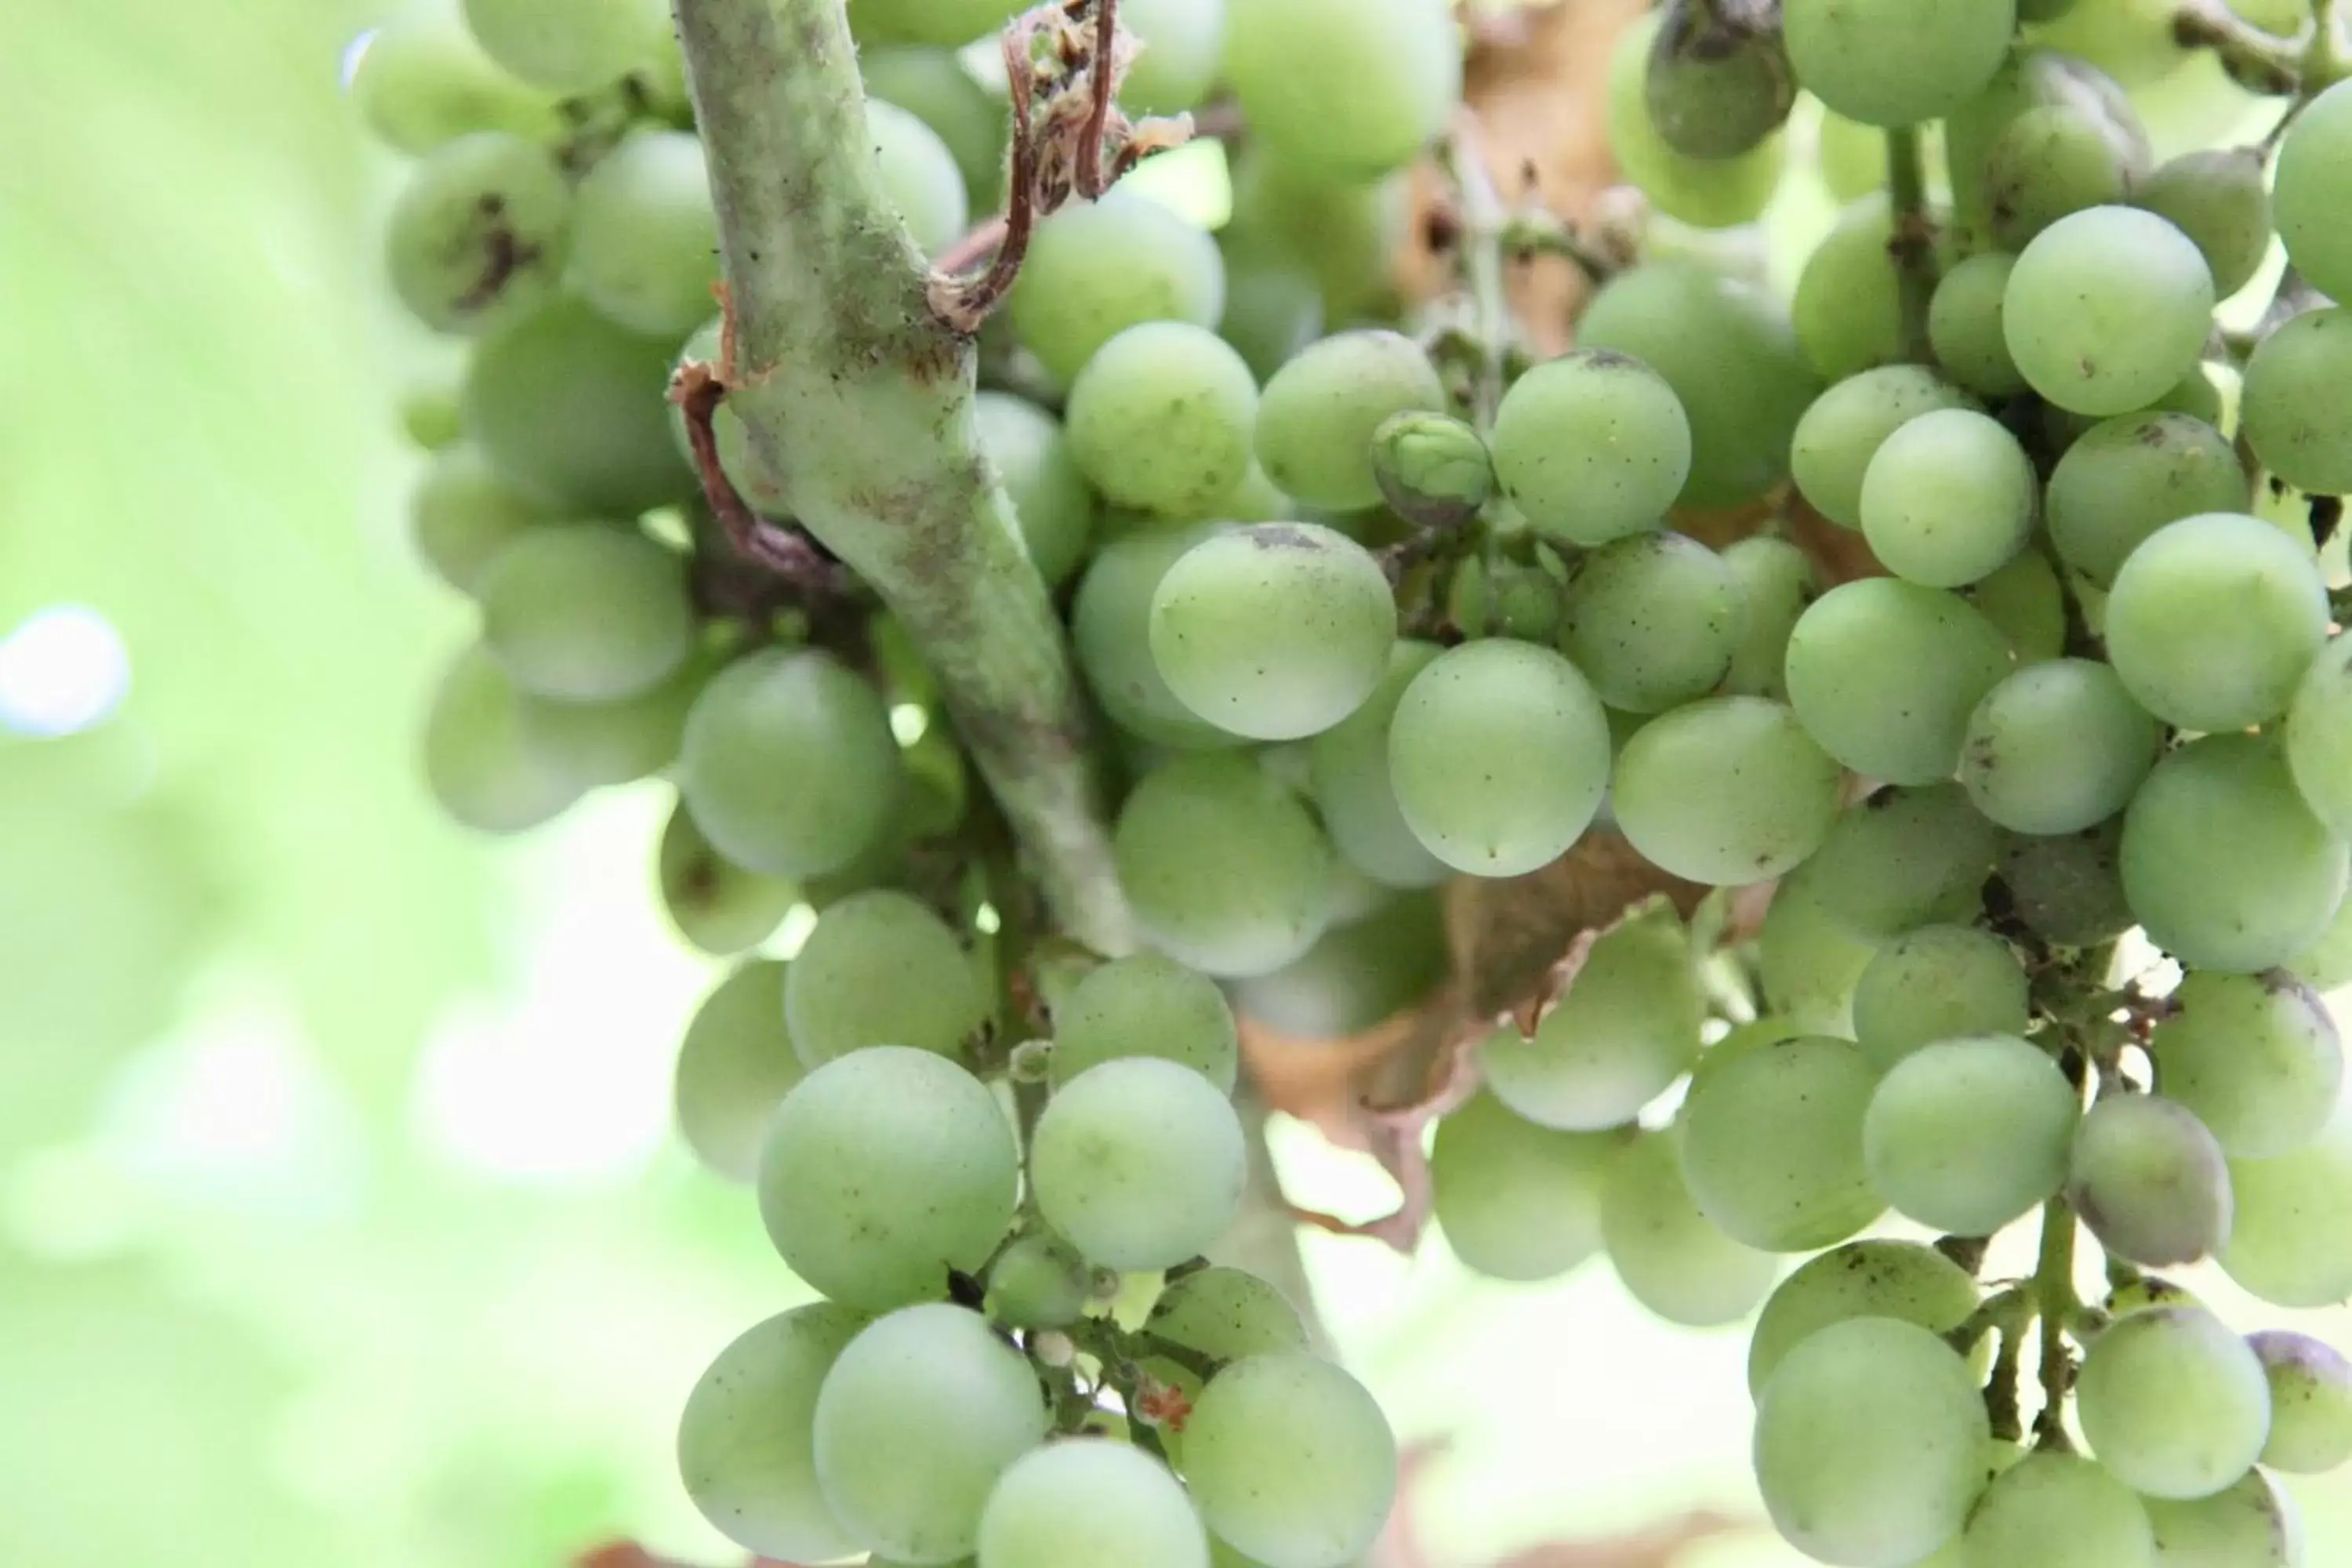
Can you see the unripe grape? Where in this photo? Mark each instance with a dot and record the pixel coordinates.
(881, 969)
(1728, 792)
(476, 762)
(919, 175)
(1938, 982)
(715, 905)
(1348, 768)
(1110, 632)
(746, 1443)
(1226, 1314)
(2057, 748)
(1039, 1281)
(2319, 736)
(421, 82)
(1291, 1461)
(2292, 1242)
(1948, 498)
(1433, 469)
(463, 514)
(1498, 754)
(2292, 408)
(2311, 1403)
(1345, 89)
(1670, 1258)
(1095, 269)
(2217, 197)
(2150, 1182)
(1895, 62)
(1626, 1030)
(1368, 968)
(2029, 605)
(1899, 1279)
(1885, 673)
(1145, 1005)
(2173, 1403)
(477, 239)
(586, 612)
(2107, 309)
(1773, 1144)
(1848, 304)
(1845, 426)
(1652, 621)
(931, 21)
(645, 245)
(2068, 889)
(1225, 867)
(572, 47)
(569, 409)
(1711, 192)
(1273, 309)
(1089, 1499)
(734, 1067)
(1317, 416)
(2254, 1524)
(1904, 859)
(930, 83)
(1160, 418)
(2056, 160)
(2053, 1510)
(1517, 1201)
(1051, 500)
(1776, 583)
(788, 764)
(2313, 192)
(1964, 326)
(2255, 1056)
(2123, 480)
(1967, 1135)
(1182, 52)
(1593, 447)
(2243, 900)
(1277, 632)
(619, 740)
(1809, 962)
(1717, 88)
(2213, 621)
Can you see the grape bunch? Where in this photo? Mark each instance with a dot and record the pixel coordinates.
(1379, 605)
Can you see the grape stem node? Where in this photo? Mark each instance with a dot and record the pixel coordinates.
(1911, 242)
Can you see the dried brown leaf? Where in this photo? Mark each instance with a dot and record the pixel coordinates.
(1510, 935)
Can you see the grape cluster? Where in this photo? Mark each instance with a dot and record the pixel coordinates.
(1374, 601)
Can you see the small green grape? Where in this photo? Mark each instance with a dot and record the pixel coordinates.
(2319, 736)
(1517, 1201)
(568, 408)
(1226, 1314)
(1898, 1279)
(919, 174)
(2292, 408)
(1667, 1255)
(2291, 1243)
(2150, 1182)
(1711, 192)
(1146, 1006)
(463, 514)
(2107, 308)
(1161, 419)
(1291, 1461)
(1809, 962)
(1653, 621)
(1844, 428)
(586, 612)
(1776, 583)
(2214, 620)
(1965, 326)
(2052, 1510)
(746, 1443)
(1085, 1500)
(2313, 193)
(1896, 62)
(932, 84)
(1095, 269)
(1903, 858)
(1885, 673)
(1140, 1162)
(1110, 632)
(2173, 1403)
(734, 1067)
(715, 905)
(1773, 1144)
(1948, 498)
(573, 46)
(1967, 1135)
(1225, 867)
(1715, 88)
(1847, 308)
(421, 82)
(1051, 500)
(619, 740)
(2027, 603)
(475, 763)
(1317, 416)
(2217, 196)
(1433, 469)
(1348, 769)
(2250, 1525)
(477, 241)
(645, 248)
(1182, 50)
(2256, 1058)
(1727, 791)
(1345, 89)
(2311, 1403)
(2125, 479)
(2068, 889)
(1593, 447)
(880, 969)
(1938, 982)
(2057, 748)
(2056, 160)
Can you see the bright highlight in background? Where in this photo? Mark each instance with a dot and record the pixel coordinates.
(62, 670)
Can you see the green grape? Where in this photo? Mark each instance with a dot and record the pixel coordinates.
(1711, 193)
(1226, 1314)
(2291, 1241)
(1361, 973)
(2107, 308)
(463, 514)
(2028, 79)
(789, 765)
(1110, 631)
(2217, 197)
(1095, 269)
(1898, 1279)
(932, 84)
(900, 1478)
(746, 1443)
(2256, 1056)
(2291, 408)
(734, 1069)
(2173, 1403)
(1834, 442)
(568, 46)
(2311, 1403)
(1667, 1255)
(2243, 901)
(932, 21)
(1291, 1461)
(1344, 235)
(1039, 1281)
(2029, 605)
(1938, 982)
(1086, 1501)
(645, 246)
(1050, 497)
(477, 241)
(1498, 754)
(1183, 45)
(881, 969)
(2068, 889)
(884, 1170)
(919, 175)
(1160, 419)
(1776, 583)
(1870, 1444)
(2250, 1525)
(429, 417)
(586, 612)
(2125, 479)
(568, 408)
(1727, 791)
(1885, 673)
(1349, 767)
(1772, 1144)
(1904, 859)
(2054, 160)
(1276, 631)
(481, 773)
(1715, 88)
(2214, 620)
(1316, 419)
(2313, 193)
(2057, 748)
(2326, 965)
(1851, 157)
(2052, 1510)
(1145, 1007)
(1809, 962)
(1517, 1201)
(2150, 1182)
(1966, 326)
(1274, 311)
(1651, 620)
(1625, 1031)
(2319, 736)
(1847, 310)
(617, 742)
(1948, 498)
(715, 905)
(1523, 602)
(1593, 447)
(1896, 62)
(1730, 357)
(421, 82)
(1967, 1135)
(1345, 89)
(1226, 869)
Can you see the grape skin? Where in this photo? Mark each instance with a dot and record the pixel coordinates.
(2217, 196)
(1965, 326)
(1845, 426)
(1349, 767)
(1728, 792)
(1772, 1145)
(1226, 1314)
(1344, 90)
(1904, 859)
(715, 905)
(475, 763)
(2107, 308)
(2125, 479)
(1160, 419)
(2311, 1403)
(1938, 982)
(1225, 867)
(2173, 1403)
(1948, 498)
(1967, 1135)
(1593, 447)
(477, 239)
(2290, 1244)
(1140, 1162)
(1037, 1281)
(2057, 748)
(2150, 1182)
(2319, 736)
(2255, 1056)
(746, 1443)
(1847, 308)
(919, 175)
(1517, 1201)
(1086, 1501)
(1626, 1028)
(1095, 269)
(1291, 1461)
(1652, 621)
(645, 235)
(2056, 160)
(1110, 632)
(2214, 620)
(1051, 500)
(1885, 673)
(881, 969)
(2254, 1524)
(882, 1170)
(1899, 1279)
(572, 47)
(1317, 416)
(1145, 1005)
(1869, 1443)
(1776, 583)
(2290, 407)
(1711, 192)
(1667, 1255)
(2056, 1510)
(2313, 192)
(1895, 62)
(734, 1067)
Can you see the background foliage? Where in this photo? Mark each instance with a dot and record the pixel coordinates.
(340, 1220)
